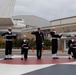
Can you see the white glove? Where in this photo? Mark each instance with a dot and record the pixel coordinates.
(42, 43)
(14, 34)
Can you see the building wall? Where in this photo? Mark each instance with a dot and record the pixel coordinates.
(63, 21)
(64, 29)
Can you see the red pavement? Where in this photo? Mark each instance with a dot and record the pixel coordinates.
(33, 60)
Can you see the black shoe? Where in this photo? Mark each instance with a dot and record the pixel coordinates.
(25, 58)
(21, 58)
(39, 58)
(5, 58)
(69, 58)
(10, 58)
(55, 58)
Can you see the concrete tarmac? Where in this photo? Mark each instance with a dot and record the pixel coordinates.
(30, 52)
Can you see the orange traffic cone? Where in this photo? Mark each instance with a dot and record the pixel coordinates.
(62, 50)
(42, 49)
(32, 49)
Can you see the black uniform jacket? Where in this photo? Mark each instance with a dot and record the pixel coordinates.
(54, 35)
(9, 35)
(39, 36)
(24, 44)
(71, 44)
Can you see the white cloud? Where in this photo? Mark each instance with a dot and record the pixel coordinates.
(48, 9)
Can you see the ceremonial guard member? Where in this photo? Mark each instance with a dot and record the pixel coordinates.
(39, 40)
(55, 37)
(24, 48)
(72, 47)
(8, 47)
